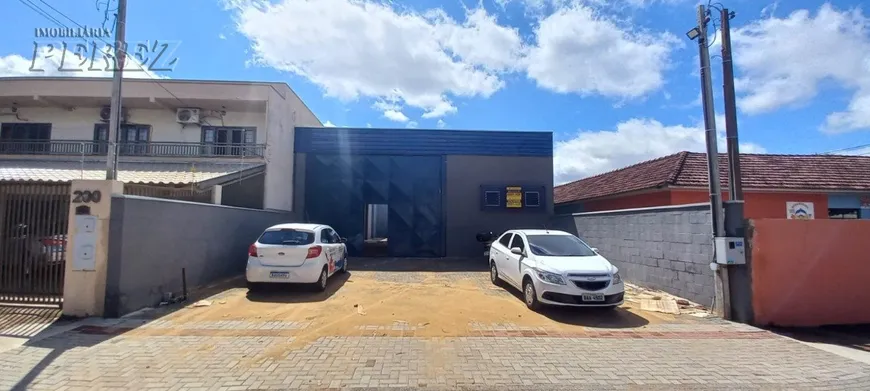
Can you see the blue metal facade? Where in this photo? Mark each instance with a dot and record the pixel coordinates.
(422, 142)
(338, 188)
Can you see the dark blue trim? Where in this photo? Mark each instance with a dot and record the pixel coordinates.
(366, 141)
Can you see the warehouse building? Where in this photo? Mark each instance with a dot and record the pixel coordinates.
(422, 193)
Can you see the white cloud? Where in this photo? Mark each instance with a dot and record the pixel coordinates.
(580, 51)
(328, 124)
(441, 124)
(397, 116)
(354, 48)
(70, 64)
(411, 124)
(222, 36)
(784, 61)
(595, 152)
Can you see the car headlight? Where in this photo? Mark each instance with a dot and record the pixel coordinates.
(552, 278)
(617, 279)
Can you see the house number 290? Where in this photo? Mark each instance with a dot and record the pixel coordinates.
(87, 196)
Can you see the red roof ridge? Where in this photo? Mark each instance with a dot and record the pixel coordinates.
(680, 163)
(645, 162)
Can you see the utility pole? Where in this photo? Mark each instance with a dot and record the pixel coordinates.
(739, 276)
(735, 185)
(117, 76)
(723, 304)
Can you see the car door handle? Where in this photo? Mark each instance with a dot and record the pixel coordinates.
(280, 253)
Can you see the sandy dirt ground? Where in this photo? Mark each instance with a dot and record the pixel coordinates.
(425, 304)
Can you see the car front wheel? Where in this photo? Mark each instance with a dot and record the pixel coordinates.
(530, 296)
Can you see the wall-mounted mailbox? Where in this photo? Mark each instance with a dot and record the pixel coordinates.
(730, 251)
(85, 243)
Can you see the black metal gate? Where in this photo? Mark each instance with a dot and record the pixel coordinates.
(33, 237)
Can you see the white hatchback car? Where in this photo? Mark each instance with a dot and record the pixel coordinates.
(296, 253)
(556, 268)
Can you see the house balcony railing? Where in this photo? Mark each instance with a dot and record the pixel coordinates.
(151, 149)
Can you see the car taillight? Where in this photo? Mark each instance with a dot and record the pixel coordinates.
(314, 252)
(252, 250)
(52, 242)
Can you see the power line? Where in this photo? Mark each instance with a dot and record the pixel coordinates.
(46, 15)
(857, 147)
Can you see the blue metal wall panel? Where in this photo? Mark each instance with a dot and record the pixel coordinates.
(422, 142)
(338, 188)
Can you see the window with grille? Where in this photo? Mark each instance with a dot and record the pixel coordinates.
(533, 199)
(491, 198)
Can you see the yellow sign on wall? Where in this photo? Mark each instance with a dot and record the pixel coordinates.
(514, 197)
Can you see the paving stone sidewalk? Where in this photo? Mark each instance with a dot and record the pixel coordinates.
(707, 357)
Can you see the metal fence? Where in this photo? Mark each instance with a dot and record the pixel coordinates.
(172, 193)
(33, 238)
(156, 149)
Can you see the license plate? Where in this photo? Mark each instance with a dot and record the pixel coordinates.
(593, 297)
(279, 275)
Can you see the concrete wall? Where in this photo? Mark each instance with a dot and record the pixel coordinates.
(464, 217)
(79, 123)
(667, 248)
(281, 117)
(810, 273)
(247, 193)
(151, 240)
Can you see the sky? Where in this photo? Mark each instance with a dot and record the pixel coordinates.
(617, 82)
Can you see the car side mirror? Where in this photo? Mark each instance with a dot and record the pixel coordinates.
(343, 240)
(517, 251)
(595, 249)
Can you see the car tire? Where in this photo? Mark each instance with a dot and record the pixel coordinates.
(610, 307)
(321, 283)
(530, 295)
(493, 274)
(252, 286)
(343, 266)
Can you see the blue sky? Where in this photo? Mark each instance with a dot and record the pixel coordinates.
(616, 81)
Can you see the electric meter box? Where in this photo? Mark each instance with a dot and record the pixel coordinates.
(730, 251)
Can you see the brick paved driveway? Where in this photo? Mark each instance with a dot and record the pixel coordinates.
(429, 330)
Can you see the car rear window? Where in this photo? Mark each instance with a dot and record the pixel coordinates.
(287, 236)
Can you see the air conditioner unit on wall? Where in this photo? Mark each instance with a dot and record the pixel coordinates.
(187, 115)
(106, 114)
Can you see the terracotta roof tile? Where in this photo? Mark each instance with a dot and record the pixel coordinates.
(128, 172)
(640, 176)
(760, 171)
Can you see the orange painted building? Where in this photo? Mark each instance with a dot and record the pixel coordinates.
(835, 186)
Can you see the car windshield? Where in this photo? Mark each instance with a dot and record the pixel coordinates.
(559, 246)
(287, 236)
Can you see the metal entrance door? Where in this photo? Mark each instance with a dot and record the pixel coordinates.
(33, 236)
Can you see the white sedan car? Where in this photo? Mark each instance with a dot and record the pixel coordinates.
(296, 253)
(555, 268)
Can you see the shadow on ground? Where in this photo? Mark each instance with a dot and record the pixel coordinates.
(850, 336)
(596, 317)
(419, 264)
(297, 293)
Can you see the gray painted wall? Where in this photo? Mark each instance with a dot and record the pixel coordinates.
(464, 218)
(151, 240)
(668, 248)
(247, 193)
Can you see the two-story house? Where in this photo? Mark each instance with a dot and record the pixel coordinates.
(208, 141)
